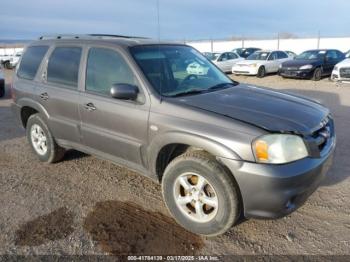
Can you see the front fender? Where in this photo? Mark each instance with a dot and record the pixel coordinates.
(205, 143)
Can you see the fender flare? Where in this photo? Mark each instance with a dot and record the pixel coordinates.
(27, 102)
(205, 143)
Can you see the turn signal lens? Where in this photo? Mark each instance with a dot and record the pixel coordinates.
(261, 149)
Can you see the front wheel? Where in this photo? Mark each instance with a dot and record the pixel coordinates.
(261, 72)
(200, 194)
(42, 141)
(317, 74)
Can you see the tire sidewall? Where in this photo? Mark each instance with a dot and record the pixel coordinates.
(226, 193)
(315, 77)
(261, 71)
(36, 119)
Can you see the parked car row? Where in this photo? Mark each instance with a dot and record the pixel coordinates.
(311, 64)
(10, 61)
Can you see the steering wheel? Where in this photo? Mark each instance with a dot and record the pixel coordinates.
(190, 77)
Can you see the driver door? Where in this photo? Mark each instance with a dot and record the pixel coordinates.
(223, 62)
(272, 65)
(112, 126)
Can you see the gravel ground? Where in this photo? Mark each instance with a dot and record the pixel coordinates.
(84, 205)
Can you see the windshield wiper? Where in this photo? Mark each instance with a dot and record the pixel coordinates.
(189, 92)
(222, 86)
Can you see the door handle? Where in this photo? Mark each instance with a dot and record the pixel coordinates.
(44, 96)
(89, 106)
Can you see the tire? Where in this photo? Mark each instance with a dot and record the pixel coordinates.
(225, 191)
(2, 88)
(7, 65)
(317, 75)
(261, 72)
(53, 152)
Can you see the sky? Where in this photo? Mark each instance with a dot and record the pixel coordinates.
(178, 19)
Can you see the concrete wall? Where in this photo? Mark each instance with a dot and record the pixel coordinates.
(296, 45)
(10, 50)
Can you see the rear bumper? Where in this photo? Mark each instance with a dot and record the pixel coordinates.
(274, 191)
(302, 74)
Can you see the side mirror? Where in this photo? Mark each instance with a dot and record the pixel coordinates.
(124, 91)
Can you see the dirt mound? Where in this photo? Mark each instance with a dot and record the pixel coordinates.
(125, 228)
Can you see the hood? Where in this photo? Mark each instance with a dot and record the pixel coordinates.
(298, 63)
(345, 62)
(265, 108)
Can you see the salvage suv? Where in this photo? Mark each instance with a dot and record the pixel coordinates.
(220, 149)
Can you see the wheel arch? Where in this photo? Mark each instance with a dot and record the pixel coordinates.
(29, 107)
(168, 146)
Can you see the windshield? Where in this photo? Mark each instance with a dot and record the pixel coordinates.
(178, 70)
(311, 55)
(211, 56)
(239, 51)
(258, 56)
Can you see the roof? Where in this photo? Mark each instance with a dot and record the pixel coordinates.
(104, 38)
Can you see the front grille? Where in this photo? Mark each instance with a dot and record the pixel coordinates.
(344, 72)
(321, 137)
(289, 72)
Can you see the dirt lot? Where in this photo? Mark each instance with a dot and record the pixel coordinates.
(84, 205)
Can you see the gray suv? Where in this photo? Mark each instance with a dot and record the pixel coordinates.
(220, 149)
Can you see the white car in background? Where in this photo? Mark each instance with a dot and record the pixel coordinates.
(341, 71)
(261, 63)
(15, 59)
(196, 68)
(225, 61)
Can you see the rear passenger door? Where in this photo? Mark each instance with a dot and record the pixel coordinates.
(118, 128)
(273, 63)
(331, 59)
(58, 92)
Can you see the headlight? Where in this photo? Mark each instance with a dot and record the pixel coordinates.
(306, 67)
(252, 65)
(335, 68)
(280, 66)
(279, 148)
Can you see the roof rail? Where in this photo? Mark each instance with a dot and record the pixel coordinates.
(88, 36)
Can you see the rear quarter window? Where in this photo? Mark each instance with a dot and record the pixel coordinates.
(31, 61)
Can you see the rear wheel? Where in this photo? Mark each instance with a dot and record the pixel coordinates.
(42, 141)
(7, 65)
(200, 194)
(261, 71)
(317, 74)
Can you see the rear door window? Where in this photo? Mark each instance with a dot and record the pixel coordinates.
(282, 55)
(63, 66)
(31, 61)
(232, 56)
